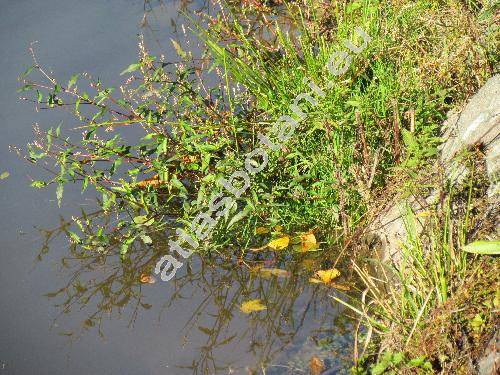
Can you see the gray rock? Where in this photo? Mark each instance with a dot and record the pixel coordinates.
(388, 231)
(489, 363)
(477, 123)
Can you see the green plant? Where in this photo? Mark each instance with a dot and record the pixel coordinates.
(393, 363)
(185, 135)
(483, 247)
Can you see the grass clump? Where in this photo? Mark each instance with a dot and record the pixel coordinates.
(434, 310)
(383, 112)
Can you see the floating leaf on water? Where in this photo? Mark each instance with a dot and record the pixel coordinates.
(325, 276)
(147, 279)
(4, 175)
(253, 305)
(483, 247)
(273, 272)
(261, 230)
(316, 366)
(279, 243)
(308, 242)
(276, 244)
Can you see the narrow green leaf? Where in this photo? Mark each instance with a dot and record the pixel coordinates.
(72, 80)
(483, 247)
(85, 183)
(25, 88)
(74, 237)
(27, 71)
(131, 68)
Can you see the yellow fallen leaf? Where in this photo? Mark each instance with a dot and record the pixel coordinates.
(308, 242)
(279, 243)
(266, 272)
(327, 276)
(253, 305)
(278, 228)
(261, 230)
(147, 279)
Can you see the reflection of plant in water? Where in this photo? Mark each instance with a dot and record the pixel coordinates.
(105, 283)
(268, 331)
(100, 279)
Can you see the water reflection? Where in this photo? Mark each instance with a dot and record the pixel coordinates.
(301, 319)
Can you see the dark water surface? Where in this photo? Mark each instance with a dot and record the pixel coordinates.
(191, 326)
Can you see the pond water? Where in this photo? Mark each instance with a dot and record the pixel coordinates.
(105, 321)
